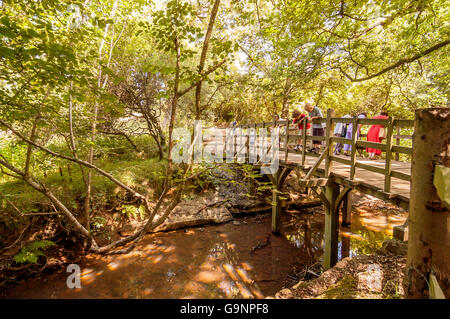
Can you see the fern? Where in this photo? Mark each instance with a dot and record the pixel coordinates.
(31, 252)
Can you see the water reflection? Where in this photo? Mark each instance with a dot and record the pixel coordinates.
(213, 262)
(365, 235)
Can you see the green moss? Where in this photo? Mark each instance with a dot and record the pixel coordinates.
(346, 288)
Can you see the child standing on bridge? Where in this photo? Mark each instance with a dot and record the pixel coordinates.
(299, 118)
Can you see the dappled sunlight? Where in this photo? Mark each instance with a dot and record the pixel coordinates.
(246, 266)
(113, 265)
(244, 276)
(172, 259)
(223, 261)
(157, 259)
(168, 249)
(244, 291)
(136, 253)
(208, 265)
(351, 235)
(376, 223)
(209, 276)
(151, 247)
(87, 279)
(396, 219)
(147, 292)
(229, 269)
(86, 271)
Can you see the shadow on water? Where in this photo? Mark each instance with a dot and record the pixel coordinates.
(239, 259)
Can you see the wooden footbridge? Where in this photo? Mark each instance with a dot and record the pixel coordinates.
(331, 176)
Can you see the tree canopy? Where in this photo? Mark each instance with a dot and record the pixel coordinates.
(74, 73)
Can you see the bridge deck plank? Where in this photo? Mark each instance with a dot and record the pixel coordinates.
(398, 186)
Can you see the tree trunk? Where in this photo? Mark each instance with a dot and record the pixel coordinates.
(173, 108)
(429, 222)
(90, 159)
(201, 64)
(30, 147)
(158, 144)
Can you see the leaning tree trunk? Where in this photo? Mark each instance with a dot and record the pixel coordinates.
(201, 64)
(429, 222)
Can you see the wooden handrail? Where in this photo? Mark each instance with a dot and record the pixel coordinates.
(391, 144)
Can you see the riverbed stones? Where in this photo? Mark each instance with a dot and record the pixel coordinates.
(284, 294)
(395, 247)
(201, 211)
(363, 276)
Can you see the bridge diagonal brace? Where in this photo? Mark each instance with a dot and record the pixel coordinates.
(279, 177)
(322, 197)
(274, 179)
(277, 180)
(340, 198)
(282, 176)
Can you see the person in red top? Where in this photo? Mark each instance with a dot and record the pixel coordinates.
(299, 118)
(373, 135)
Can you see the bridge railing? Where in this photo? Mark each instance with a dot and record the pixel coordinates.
(387, 145)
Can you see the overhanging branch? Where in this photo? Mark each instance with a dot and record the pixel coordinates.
(202, 78)
(397, 64)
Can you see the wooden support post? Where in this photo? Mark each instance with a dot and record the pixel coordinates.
(353, 152)
(387, 167)
(235, 143)
(347, 209)
(329, 142)
(305, 125)
(224, 143)
(429, 217)
(286, 143)
(247, 144)
(251, 183)
(276, 213)
(276, 202)
(263, 141)
(397, 142)
(277, 180)
(331, 227)
(255, 146)
(345, 247)
(401, 232)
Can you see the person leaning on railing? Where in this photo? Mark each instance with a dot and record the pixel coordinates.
(376, 134)
(340, 130)
(276, 118)
(299, 118)
(315, 113)
(348, 147)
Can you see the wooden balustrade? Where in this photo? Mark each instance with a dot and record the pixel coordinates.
(390, 145)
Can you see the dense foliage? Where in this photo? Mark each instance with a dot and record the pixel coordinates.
(84, 84)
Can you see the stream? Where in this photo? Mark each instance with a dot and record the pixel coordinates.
(238, 259)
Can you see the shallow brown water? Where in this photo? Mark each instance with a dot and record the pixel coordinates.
(217, 261)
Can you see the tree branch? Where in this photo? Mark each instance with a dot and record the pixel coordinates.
(202, 78)
(397, 64)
